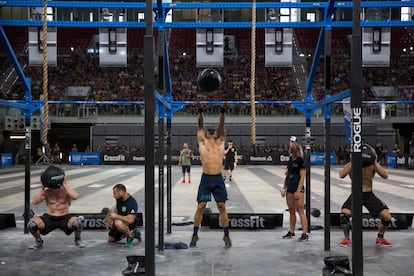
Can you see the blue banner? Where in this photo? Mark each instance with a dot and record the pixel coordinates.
(6, 159)
(85, 158)
(318, 158)
(391, 160)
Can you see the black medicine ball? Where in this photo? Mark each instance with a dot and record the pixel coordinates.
(315, 212)
(52, 177)
(368, 155)
(209, 80)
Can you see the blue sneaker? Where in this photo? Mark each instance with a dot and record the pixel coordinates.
(137, 234)
(129, 242)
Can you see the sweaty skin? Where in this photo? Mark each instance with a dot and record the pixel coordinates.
(58, 200)
(368, 174)
(211, 147)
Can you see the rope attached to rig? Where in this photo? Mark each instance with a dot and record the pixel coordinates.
(45, 76)
(253, 75)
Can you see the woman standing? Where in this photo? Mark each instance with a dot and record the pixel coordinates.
(294, 189)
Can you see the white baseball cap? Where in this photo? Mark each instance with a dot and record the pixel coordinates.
(292, 138)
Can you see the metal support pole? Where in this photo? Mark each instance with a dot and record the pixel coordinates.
(149, 142)
(161, 181)
(28, 148)
(356, 142)
(161, 113)
(308, 135)
(327, 203)
(160, 152)
(169, 174)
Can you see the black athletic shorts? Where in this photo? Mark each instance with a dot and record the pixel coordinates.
(52, 223)
(117, 235)
(370, 201)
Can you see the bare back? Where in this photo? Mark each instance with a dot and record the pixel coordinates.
(368, 174)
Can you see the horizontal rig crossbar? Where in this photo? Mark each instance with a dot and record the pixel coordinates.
(191, 25)
(7, 102)
(205, 5)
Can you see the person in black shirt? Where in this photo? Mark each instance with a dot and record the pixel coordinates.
(294, 189)
(123, 221)
(230, 160)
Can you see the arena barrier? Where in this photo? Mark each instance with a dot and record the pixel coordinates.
(7, 220)
(251, 221)
(96, 221)
(317, 158)
(84, 158)
(398, 221)
(6, 160)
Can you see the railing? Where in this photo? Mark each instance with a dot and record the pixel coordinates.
(372, 109)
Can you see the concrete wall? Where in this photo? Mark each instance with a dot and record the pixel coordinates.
(133, 134)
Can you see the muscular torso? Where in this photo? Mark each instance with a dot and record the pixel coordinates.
(368, 174)
(211, 153)
(57, 201)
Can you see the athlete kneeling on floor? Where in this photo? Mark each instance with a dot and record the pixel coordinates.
(123, 221)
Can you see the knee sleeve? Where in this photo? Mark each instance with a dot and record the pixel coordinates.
(345, 219)
(385, 222)
(32, 227)
(346, 224)
(77, 224)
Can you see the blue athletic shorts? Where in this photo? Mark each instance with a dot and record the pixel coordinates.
(212, 184)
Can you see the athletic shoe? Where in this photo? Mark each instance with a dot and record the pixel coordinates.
(189, 181)
(137, 234)
(79, 243)
(227, 241)
(194, 240)
(230, 179)
(183, 181)
(37, 245)
(345, 242)
(303, 237)
(129, 242)
(289, 235)
(383, 242)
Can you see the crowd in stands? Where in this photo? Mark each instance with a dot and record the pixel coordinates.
(272, 83)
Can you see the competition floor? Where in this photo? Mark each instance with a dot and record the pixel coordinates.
(255, 189)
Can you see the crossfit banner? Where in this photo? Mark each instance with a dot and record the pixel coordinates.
(244, 221)
(398, 221)
(96, 221)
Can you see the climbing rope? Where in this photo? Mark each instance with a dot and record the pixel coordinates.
(45, 76)
(253, 75)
